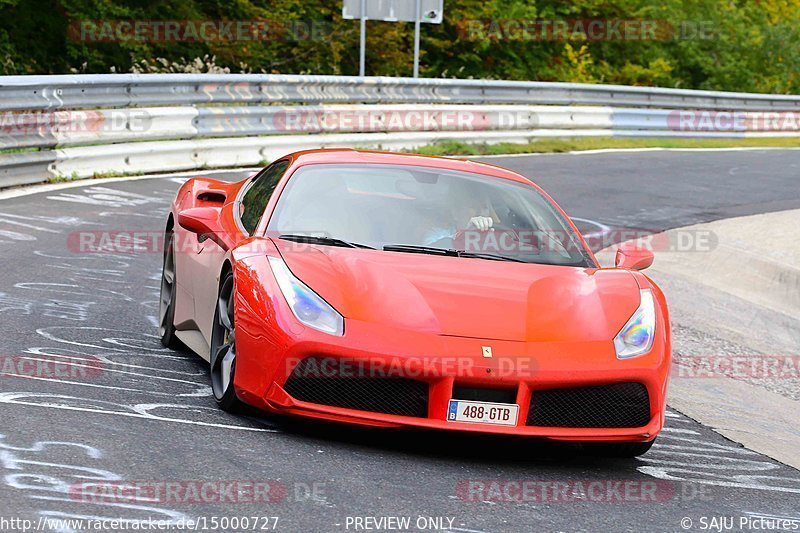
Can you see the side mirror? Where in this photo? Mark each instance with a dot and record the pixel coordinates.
(204, 222)
(632, 257)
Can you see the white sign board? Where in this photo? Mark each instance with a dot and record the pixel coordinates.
(431, 11)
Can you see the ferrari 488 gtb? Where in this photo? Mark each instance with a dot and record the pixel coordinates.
(396, 291)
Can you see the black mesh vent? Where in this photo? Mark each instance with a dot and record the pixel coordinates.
(312, 381)
(623, 405)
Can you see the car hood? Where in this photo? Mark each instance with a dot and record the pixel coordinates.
(463, 297)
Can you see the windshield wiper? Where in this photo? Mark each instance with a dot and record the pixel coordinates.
(420, 250)
(326, 241)
(447, 252)
(492, 257)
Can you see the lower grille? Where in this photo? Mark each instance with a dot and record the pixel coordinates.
(387, 395)
(623, 405)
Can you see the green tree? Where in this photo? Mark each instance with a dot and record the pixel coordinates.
(737, 45)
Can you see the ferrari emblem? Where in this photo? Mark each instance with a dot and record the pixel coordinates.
(487, 351)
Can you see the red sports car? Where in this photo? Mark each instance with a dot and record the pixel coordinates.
(396, 290)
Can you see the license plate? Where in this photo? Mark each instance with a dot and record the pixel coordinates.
(502, 414)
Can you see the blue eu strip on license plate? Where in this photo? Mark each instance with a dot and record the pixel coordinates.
(502, 414)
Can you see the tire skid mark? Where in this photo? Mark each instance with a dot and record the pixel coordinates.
(39, 473)
(105, 359)
(104, 278)
(107, 197)
(141, 410)
(142, 375)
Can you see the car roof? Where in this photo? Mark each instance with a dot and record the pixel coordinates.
(351, 156)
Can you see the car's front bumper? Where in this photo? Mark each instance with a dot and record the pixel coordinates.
(446, 362)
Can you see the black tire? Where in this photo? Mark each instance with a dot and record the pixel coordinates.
(223, 349)
(621, 449)
(166, 306)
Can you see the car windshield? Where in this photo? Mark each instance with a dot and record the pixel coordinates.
(403, 208)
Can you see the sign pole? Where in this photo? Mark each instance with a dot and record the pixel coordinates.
(416, 11)
(362, 64)
(416, 37)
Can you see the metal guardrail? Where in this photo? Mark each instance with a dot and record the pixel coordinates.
(106, 126)
(127, 90)
(79, 125)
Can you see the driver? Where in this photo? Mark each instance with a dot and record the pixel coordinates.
(464, 210)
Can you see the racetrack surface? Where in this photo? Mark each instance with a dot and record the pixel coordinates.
(120, 407)
(659, 190)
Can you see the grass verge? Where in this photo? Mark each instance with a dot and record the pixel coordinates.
(575, 144)
(95, 176)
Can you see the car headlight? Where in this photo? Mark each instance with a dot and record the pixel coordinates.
(305, 304)
(636, 338)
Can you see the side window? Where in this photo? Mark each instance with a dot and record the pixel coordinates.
(257, 196)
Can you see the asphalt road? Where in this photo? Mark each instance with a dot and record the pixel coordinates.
(106, 403)
(661, 190)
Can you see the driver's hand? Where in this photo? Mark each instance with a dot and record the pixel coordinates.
(481, 223)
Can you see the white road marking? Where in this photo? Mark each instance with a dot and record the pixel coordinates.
(682, 431)
(139, 411)
(176, 177)
(682, 455)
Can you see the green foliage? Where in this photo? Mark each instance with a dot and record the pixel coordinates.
(551, 145)
(736, 45)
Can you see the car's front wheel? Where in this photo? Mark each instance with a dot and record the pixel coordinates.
(223, 348)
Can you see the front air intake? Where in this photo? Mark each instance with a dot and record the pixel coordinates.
(622, 405)
(387, 395)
